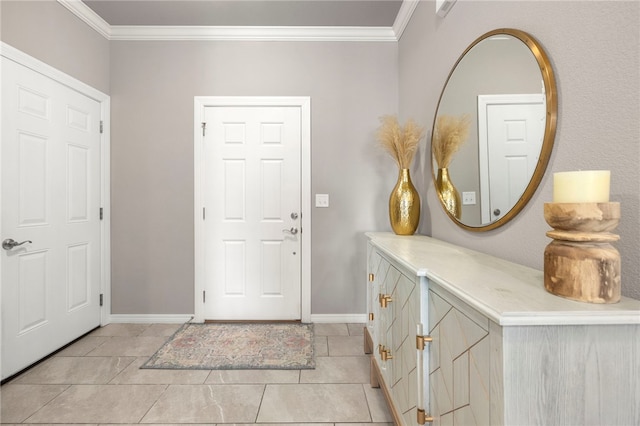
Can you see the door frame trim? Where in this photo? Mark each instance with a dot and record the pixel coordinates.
(200, 103)
(54, 74)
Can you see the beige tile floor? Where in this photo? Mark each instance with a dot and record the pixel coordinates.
(97, 381)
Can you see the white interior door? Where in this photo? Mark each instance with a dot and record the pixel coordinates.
(252, 212)
(511, 131)
(51, 200)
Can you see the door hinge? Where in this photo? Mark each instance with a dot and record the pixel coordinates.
(101, 299)
(203, 213)
(101, 213)
(101, 126)
(204, 128)
(204, 296)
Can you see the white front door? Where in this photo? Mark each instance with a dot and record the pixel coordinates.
(50, 205)
(511, 132)
(252, 212)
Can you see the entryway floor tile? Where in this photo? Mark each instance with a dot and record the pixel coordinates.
(323, 329)
(18, 402)
(347, 369)
(253, 376)
(345, 345)
(99, 404)
(129, 346)
(206, 403)
(120, 329)
(76, 370)
(314, 403)
(134, 375)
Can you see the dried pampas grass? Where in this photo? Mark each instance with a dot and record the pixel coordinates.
(400, 142)
(448, 136)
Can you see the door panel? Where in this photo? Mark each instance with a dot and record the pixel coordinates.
(51, 197)
(509, 149)
(252, 186)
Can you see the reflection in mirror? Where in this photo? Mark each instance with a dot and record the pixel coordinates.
(504, 83)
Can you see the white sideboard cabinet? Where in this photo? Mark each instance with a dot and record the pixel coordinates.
(458, 337)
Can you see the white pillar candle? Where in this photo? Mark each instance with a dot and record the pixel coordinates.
(585, 186)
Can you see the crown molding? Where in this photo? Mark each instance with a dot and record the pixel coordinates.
(404, 16)
(86, 14)
(252, 33)
(256, 33)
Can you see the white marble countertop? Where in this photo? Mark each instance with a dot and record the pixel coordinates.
(507, 293)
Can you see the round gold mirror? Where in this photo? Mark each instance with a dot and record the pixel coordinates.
(494, 129)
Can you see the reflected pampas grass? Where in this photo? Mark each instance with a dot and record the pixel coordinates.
(449, 133)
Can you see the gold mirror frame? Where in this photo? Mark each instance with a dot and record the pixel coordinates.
(551, 100)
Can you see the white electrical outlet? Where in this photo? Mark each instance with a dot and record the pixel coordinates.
(468, 198)
(322, 200)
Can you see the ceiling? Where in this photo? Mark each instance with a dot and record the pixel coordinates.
(244, 13)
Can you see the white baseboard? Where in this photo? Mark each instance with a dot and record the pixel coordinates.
(339, 318)
(182, 318)
(153, 318)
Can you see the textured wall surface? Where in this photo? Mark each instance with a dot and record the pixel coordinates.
(594, 48)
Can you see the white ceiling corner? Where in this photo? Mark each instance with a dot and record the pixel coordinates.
(265, 33)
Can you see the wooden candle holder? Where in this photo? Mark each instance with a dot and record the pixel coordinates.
(580, 263)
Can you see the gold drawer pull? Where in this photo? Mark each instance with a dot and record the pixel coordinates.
(422, 340)
(386, 355)
(423, 418)
(385, 299)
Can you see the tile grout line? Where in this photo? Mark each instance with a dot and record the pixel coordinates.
(154, 403)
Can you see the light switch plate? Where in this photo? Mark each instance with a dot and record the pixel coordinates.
(322, 200)
(468, 198)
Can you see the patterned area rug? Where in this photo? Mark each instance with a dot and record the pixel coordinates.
(235, 346)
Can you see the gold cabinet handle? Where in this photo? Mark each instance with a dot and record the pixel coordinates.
(384, 299)
(421, 341)
(423, 418)
(386, 355)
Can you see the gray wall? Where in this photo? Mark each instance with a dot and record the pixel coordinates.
(594, 49)
(49, 32)
(152, 90)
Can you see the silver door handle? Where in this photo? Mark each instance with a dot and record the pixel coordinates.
(9, 243)
(292, 231)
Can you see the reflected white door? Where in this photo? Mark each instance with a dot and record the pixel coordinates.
(510, 133)
(252, 199)
(50, 197)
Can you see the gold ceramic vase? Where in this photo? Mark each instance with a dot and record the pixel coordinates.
(448, 193)
(404, 205)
